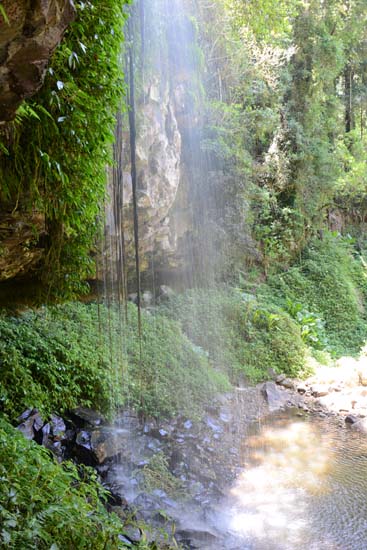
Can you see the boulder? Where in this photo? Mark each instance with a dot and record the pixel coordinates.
(83, 416)
(275, 398)
(58, 427)
(195, 538)
(302, 388)
(32, 423)
(287, 383)
(320, 390)
(361, 425)
(351, 419)
(165, 293)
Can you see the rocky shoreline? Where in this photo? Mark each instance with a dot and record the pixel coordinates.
(339, 391)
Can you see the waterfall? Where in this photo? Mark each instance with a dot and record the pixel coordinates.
(163, 180)
(161, 231)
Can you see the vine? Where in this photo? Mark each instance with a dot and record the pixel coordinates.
(55, 153)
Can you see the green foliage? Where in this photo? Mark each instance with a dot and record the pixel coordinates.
(3, 14)
(54, 158)
(332, 284)
(59, 357)
(156, 475)
(242, 335)
(167, 374)
(45, 505)
(312, 326)
(268, 20)
(55, 359)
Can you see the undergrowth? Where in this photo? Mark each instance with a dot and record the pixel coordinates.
(331, 282)
(76, 354)
(45, 505)
(53, 157)
(241, 335)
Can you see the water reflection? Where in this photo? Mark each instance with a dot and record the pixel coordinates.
(304, 485)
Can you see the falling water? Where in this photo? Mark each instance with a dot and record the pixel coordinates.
(257, 485)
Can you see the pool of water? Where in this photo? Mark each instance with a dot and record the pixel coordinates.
(297, 482)
(302, 485)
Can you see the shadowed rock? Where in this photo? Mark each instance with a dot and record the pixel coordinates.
(26, 46)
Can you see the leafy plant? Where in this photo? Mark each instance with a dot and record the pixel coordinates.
(330, 282)
(243, 335)
(156, 475)
(312, 326)
(73, 354)
(45, 505)
(54, 155)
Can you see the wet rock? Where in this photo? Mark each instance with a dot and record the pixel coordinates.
(275, 398)
(159, 433)
(115, 499)
(225, 416)
(361, 425)
(58, 426)
(83, 416)
(165, 294)
(45, 434)
(26, 414)
(37, 421)
(32, 424)
(351, 419)
(213, 425)
(287, 383)
(320, 390)
(84, 439)
(195, 538)
(105, 444)
(280, 378)
(271, 373)
(132, 533)
(302, 388)
(124, 539)
(147, 298)
(27, 44)
(26, 428)
(133, 297)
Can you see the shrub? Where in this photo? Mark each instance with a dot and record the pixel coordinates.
(55, 359)
(47, 506)
(76, 354)
(170, 375)
(242, 335)
(332, 283)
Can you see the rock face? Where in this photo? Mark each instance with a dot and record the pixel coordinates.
(158, 163)
(20, 249)
(26, 45)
